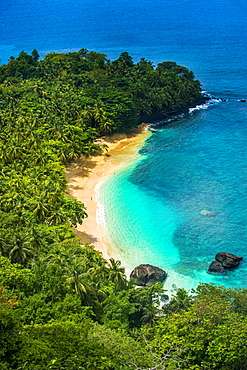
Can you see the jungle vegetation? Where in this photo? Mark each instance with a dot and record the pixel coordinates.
(62, 306)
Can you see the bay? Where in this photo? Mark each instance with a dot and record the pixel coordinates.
(153, 207)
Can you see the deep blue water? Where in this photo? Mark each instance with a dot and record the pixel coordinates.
(199, 162)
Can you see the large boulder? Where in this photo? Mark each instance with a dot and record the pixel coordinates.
(224, 261)
(216, 267)
(147, 275)
(228, 260)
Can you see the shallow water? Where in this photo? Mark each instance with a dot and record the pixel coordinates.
(153, 208)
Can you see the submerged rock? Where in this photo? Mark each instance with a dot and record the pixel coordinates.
(228, 260)
(205, 212)
(147, 275)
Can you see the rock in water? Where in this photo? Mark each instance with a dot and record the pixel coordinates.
(147, 275)
(228, 260)
(224, 261)
(216, 267)
(205, 212)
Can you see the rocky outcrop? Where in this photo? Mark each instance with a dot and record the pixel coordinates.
(228, 260)
(147, 275)
(224, 261)
(216, 267)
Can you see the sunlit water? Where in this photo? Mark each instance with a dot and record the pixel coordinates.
(153, 207)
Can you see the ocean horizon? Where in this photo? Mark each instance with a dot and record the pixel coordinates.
(153, 207)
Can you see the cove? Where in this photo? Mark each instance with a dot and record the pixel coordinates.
(153, 208)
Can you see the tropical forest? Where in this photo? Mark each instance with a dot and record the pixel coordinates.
(62, 305)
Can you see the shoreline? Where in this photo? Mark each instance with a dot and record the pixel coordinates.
(85, 175)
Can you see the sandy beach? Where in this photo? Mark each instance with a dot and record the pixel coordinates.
(85, 175)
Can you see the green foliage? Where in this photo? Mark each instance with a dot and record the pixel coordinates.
(130, 308)
(57, 341)
(180, 301)
(9, 329)
(210, 334)
(66, 345)
(51, 112)
(16, 278)
(75, 310)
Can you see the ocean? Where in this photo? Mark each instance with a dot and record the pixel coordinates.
(152, 207)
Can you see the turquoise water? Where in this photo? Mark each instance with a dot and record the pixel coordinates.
(152, 207)
(131, 227)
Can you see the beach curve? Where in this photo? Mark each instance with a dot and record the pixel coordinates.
(85, 176)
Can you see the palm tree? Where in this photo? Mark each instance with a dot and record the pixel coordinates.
(149, 315)
(181, 301)
(79, 280)
(117, 274)
(39, 158)
(4, 244)
(107, 125)
(57, 216)
(97, 117)
(40, 208)
(99, 270)
(65, 253)
(37, 238)
(21, 249)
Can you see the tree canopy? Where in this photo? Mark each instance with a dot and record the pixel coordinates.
(62, 306)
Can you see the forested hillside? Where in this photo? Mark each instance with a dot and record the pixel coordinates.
(62, 306)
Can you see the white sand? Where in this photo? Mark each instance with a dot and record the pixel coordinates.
(85, 174)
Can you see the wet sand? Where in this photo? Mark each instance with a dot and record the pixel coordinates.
(86, 174)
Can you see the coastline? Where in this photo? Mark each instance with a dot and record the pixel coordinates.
(85, 175)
